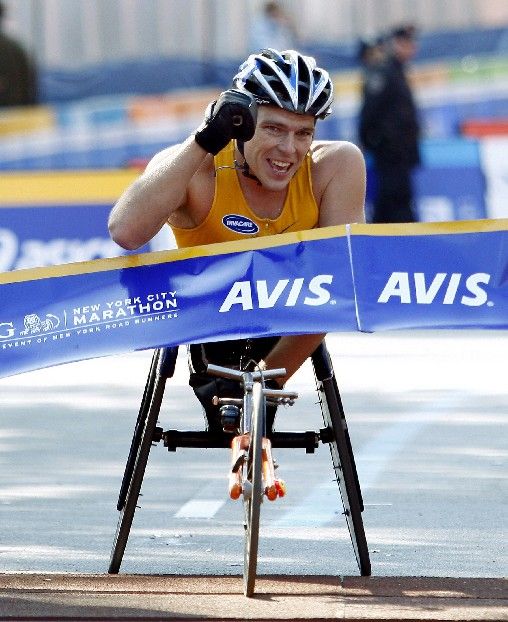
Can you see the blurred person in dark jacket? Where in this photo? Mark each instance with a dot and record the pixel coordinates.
(389, 128)
(17, 71)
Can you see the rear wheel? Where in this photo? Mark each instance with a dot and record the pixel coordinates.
(254, 496)
(136, 464)
(336, 434)
(138, 430)
(345, 472)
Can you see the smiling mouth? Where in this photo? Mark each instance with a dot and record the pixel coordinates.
(279, 166)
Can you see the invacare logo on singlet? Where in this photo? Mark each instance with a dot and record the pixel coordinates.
(240, 224)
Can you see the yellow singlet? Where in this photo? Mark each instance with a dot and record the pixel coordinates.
(230, 218)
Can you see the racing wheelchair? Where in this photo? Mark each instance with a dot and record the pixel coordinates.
(245, 431)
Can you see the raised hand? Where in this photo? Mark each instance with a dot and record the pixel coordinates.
(232, 115)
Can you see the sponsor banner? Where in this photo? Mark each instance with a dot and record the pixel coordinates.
(442, 194)
(442, 275)
(449, 193)
(495, 166)
(359, 277)
(291, 283)
(34, 236)
(55, 218)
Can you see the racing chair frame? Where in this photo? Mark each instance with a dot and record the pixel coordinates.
(334, 433)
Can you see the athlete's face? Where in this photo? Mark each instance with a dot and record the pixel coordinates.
(279, 145)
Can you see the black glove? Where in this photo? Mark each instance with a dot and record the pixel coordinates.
(232, 115)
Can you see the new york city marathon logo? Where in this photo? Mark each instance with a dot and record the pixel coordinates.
(90, 318)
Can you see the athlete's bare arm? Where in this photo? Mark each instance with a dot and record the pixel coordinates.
(177, 185)
(153, 198)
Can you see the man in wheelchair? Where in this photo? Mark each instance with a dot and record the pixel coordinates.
(251, 169)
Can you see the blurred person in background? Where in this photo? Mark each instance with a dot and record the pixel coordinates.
(251, 169)
(389, 128)
(273, 28)
(17, 71)
(371, 52)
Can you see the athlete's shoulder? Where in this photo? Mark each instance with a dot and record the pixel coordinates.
(335, 163)
(334, 153)
(172, 152)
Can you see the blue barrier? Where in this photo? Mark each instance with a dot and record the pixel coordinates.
(35, 236)
(450, 193)
(359, 277)
(58, 217)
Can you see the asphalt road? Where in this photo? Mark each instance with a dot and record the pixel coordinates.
(427, 413)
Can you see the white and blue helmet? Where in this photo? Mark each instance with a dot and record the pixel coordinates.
(287, 79)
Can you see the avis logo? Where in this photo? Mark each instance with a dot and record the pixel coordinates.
(443, 288)
(287, 292)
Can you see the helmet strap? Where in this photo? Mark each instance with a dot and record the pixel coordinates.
(245, 166)
(242, 167)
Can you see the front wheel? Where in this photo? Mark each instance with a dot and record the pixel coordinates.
(253, 490)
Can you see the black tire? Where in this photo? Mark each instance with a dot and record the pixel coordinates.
(138, 460)
(252, 502)
(342, 457)
(138, 430)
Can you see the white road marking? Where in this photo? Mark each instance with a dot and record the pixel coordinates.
(323, 505)
(200, 508)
